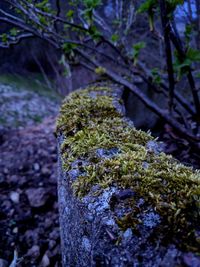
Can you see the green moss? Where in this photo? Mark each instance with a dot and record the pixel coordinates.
(88, 123)
(79, 109)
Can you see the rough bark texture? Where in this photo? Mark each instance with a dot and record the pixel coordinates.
(112, 223)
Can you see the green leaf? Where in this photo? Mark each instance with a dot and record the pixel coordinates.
(172, 4)
(42, 4)
(94, 33)
(156, 77)
(197, 75)
(193, 55)
(13, 32)
(68, 47)
(188, 32)
(43, 20)
(70, 14)
(100, 70)
(139, 45)
(4, 38)
(115, 38)
(181, 66)
(147, 6)
(91, 3)
(150, 7)
(136, 50)
(87, 13)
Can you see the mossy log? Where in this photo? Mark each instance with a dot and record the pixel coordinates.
(123, 202)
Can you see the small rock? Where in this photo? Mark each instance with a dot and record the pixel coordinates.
(37, 197)
(86, 244)
(34, 252)
(45, 171)
(6, 206)
(55, 234)
(31, 237)
(52, 244)
(2, 180)
(3, 263)
(45, 261)
(170, 258)
(5, 171)
(108, 221)
(13, 178)
(14, 196)
(127, 235)
(36, 166)
(47, 223)
(15, 230)
(191, 260)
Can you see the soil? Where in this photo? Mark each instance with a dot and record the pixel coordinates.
(29, 221)
(28, 207)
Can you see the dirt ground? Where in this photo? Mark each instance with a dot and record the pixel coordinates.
(28, 207)
(29, 222)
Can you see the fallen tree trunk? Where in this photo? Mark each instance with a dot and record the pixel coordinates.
(122, 201)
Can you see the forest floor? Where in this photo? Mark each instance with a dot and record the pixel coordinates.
(29, 223)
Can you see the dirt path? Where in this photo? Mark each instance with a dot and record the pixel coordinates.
(28, 193)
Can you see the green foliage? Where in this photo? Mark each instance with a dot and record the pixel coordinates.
(193, 55)
(136, 48)
(197, 75)
(155, 76)
(87, 12)
(44, 6)
(150, 7)
(13, 32)
(172, 4)
(43, 20)
(115, 38)
(4, 38)
(147, 6)
(100, 71)
(94, 33)
(68, 47)
(188, 32)
(91, 4)
(70, 14)
(181, 65)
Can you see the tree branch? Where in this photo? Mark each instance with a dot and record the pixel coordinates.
(168, 51)
(151, 105)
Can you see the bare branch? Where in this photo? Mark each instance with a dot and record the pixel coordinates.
(150, 104)
(15, 40)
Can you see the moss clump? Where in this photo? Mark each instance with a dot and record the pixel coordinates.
(80, 109)
(90, 123)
